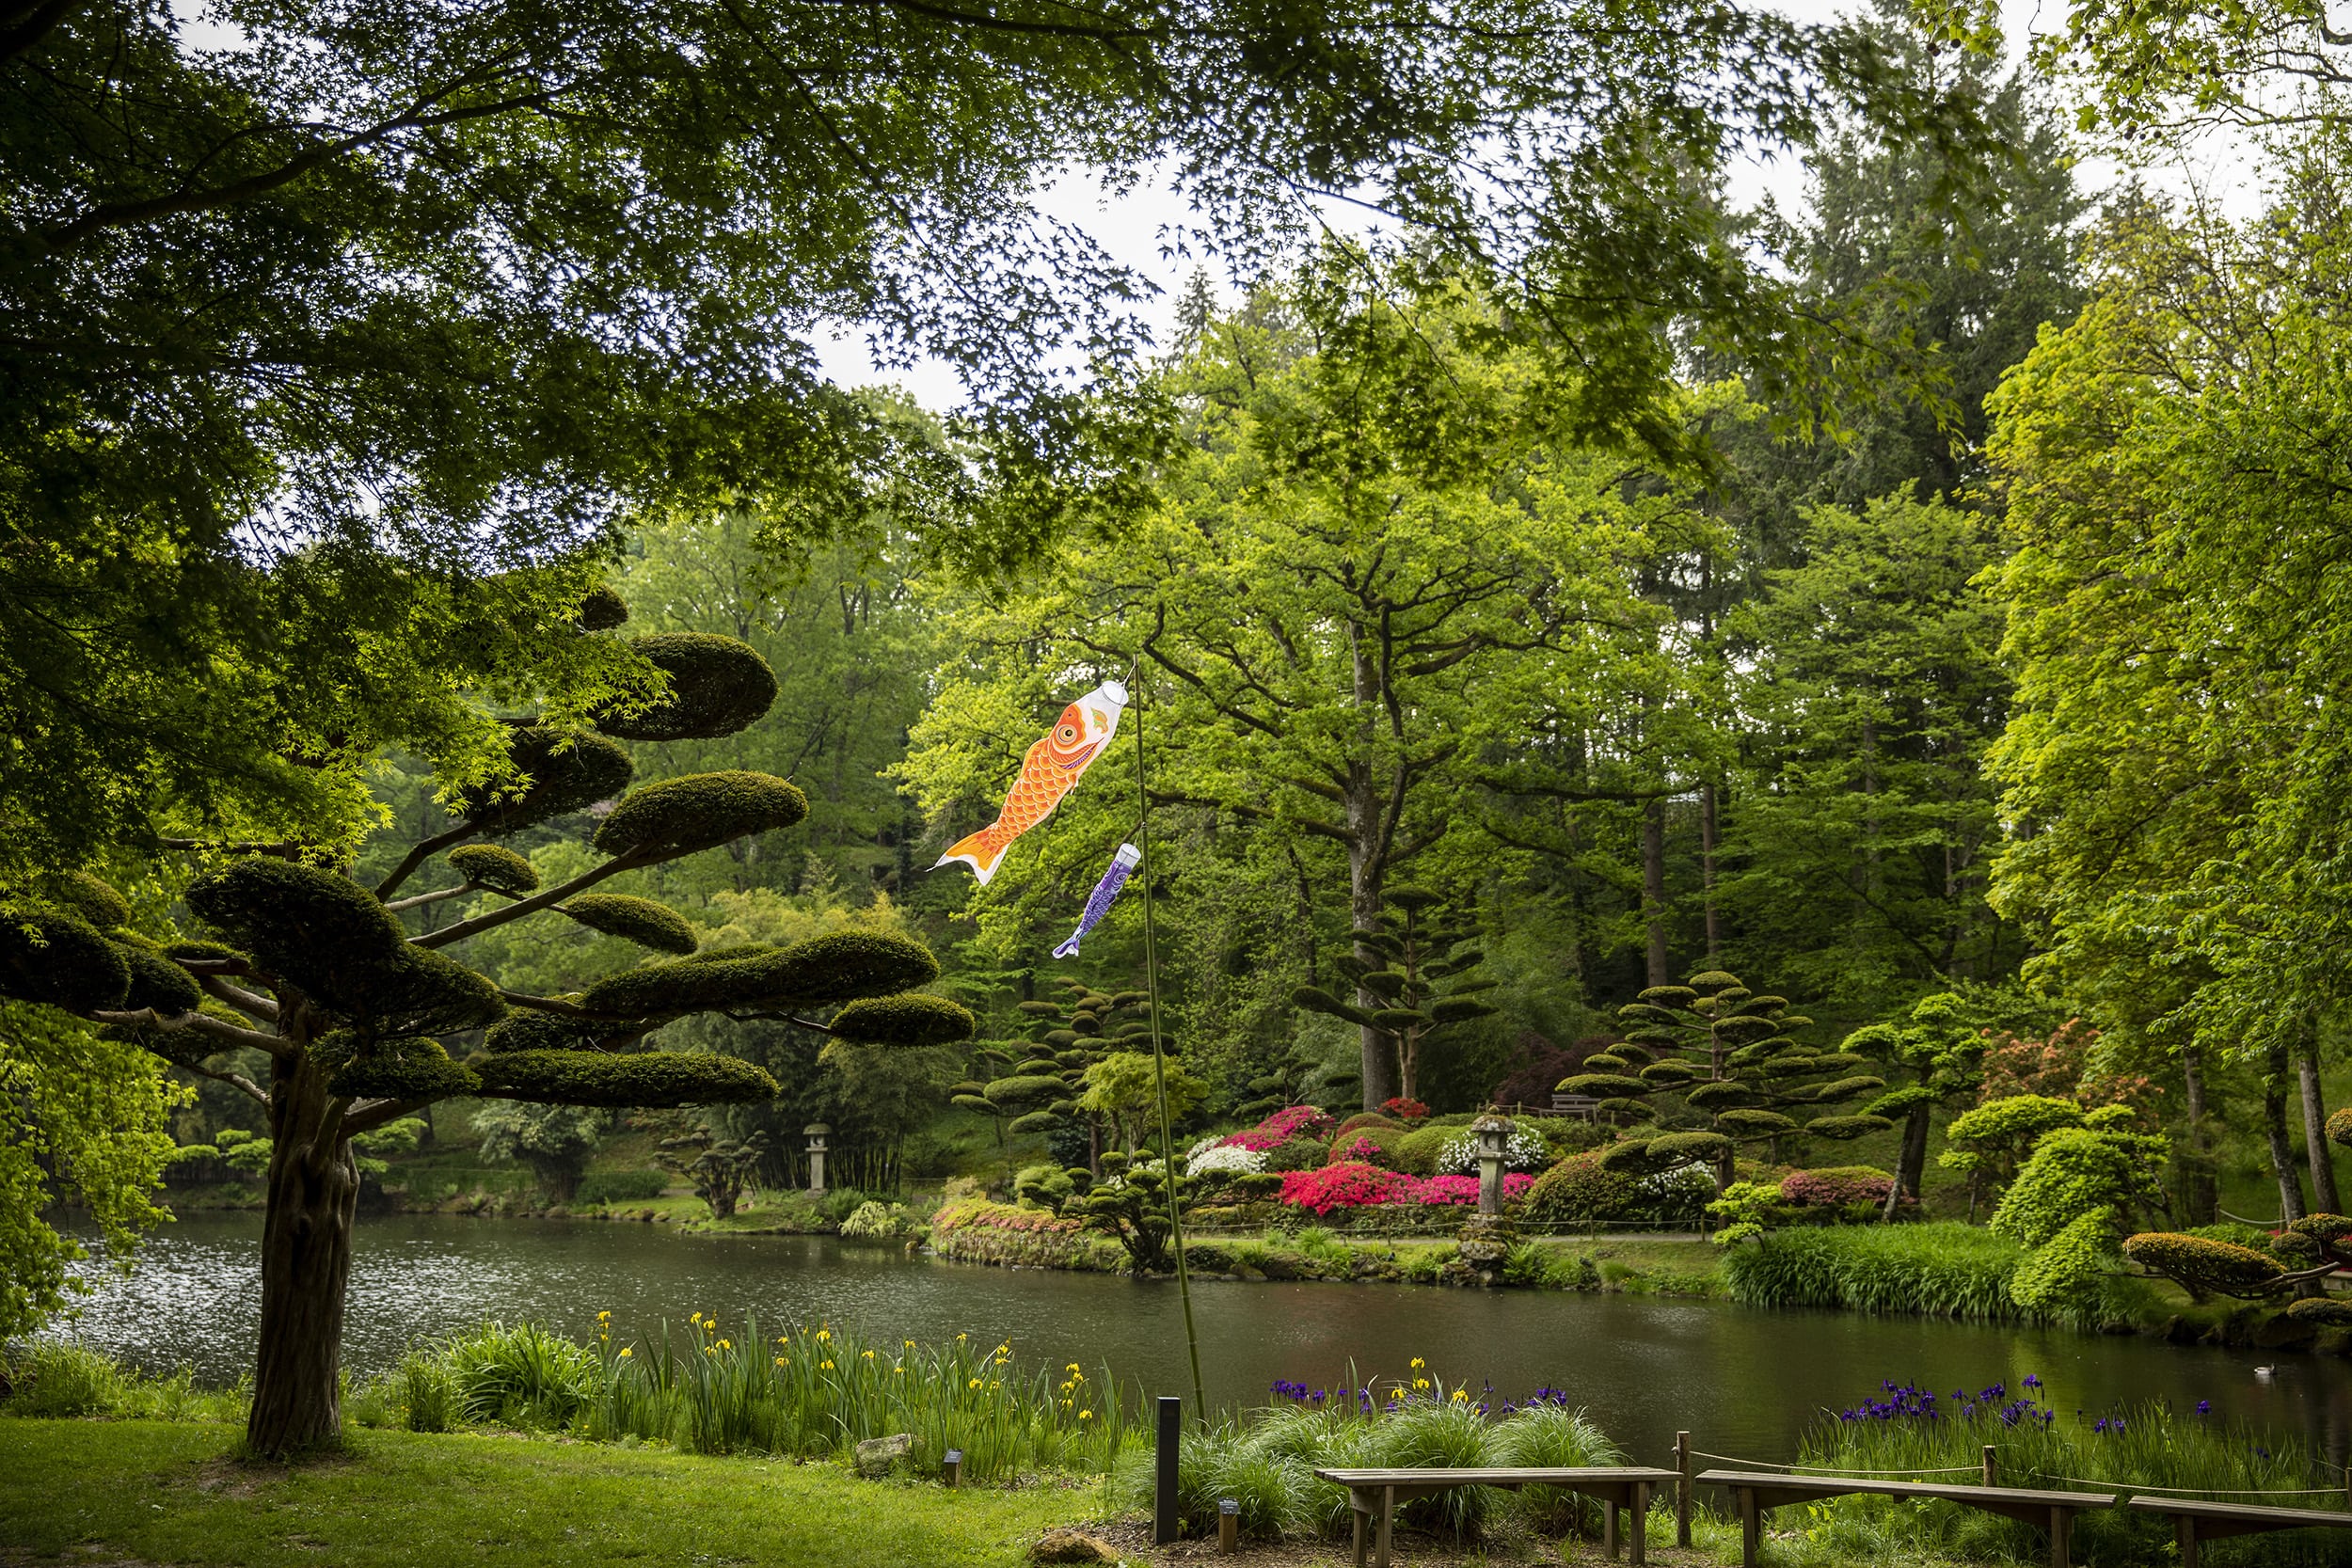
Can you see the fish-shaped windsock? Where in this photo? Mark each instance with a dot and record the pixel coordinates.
(1047, 774)
(1122, 866)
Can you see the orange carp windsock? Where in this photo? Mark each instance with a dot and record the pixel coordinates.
(1047, 773)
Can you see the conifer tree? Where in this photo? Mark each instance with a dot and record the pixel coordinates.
(323, 976)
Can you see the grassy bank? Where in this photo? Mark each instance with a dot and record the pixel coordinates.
(160, 1492)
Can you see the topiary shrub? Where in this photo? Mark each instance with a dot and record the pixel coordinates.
(638, 1078)
(1373, 1143)
(158, 983)
(1578, 1191)
(564, 771)
(716, 686)
(700, 810)
(2323, 1312)
(839, 967)
(914, 1019)
(638, 920)
(1838, 1186)
(1296, 1154)
(1366, 1118)
(93, 899)
(602, 610)
(2205, 1268)
(495, 867)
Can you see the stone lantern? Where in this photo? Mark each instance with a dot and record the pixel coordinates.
(817, 1131)
(1491, 1136)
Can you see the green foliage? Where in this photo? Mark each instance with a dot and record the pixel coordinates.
(839, 967)
(520, 1376)
(640, 920)
(621, 1186)
(1134, 1206)
(2204, 1267)
(158, 983)
(1944, 1271)
(700, 810)
(1126, 1085)
(397, 1069)
(717, 685)
(1580, 1189)
(560, 771)
(1998, 1135)
(555, 1141)
(721, 1169)
(89, 1120)
(495, 867)
(91, 898)
(2066, 1268)
(2075, 1172)
(50, 956)
(914, 1019)
(638, 1078)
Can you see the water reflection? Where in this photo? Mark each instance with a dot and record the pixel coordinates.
(1744, 1382)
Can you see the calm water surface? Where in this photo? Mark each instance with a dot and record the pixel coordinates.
(1742, 1382)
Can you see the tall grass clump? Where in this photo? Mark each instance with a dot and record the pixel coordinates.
(523, 1376)
(56, 1379)
(2035, 1443)
(1934, 1271)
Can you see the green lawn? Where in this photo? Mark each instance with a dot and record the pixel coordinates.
(162, 1492)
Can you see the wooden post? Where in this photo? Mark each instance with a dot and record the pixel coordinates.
(1682, 1489)
(1990, 1471)
(1751, 1526)
(1170, 1437)
(1640, 1523)
(2188, 1529)
(1228, 1526)
(951, 1468)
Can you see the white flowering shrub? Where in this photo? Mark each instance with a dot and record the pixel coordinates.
(1520, 1151)
(1218, 1160)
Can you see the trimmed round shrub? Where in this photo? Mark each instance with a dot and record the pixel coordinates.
(2323, 1312)
(1691, 1148)
(568, 771)
(58, 958)
(1374, 1144)
(1036, 1122)
(1417, 1152)
(1846, 1126)
(2203, 1267)
(2325, 1229)
(915, 1019)
(1754, 1124)
(716, 686)
(638, 920)
(1726, 1094)
(1603, 1086)
(1578, 1191)
(94, 900)
(700, 810)
(526, 1030)
(1296, 1154)
(1368, 1118)
(1635, 1157)
(2295, 1251)
(495, 867)
(157, 982)
(2340, 1126)
(402, 1070)
(602, 610)
(650, 1078)
(1026, 1093)
(839, 967)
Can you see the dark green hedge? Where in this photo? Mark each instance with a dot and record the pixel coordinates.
(716, 686)
(652, 1078)
(602, 610)
(403, 1070)
(94, 900)
(638, 920)
(157, 982)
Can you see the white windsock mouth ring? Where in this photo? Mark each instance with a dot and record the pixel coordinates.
(1116, 691)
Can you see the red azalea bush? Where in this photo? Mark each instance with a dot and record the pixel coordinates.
(1301, 1122)
(1355, 1185)
(1462, 1191)
(1404, 1109)
(1836, 1186)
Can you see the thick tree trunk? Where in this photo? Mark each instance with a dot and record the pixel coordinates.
(306, 1264)
(2275, 1131)
(1367, 869)
(2315, 1130)
(1912, 1170)
(1654, 889)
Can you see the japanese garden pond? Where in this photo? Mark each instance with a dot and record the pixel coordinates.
(1744, 1382)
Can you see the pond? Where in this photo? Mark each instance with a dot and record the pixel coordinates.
(1744, 1382)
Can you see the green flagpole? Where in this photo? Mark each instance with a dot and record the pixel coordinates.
(1159, 1059)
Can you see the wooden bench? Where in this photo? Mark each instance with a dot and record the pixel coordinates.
(1760, 1490)
(2196, 1520)
(1375, 1494)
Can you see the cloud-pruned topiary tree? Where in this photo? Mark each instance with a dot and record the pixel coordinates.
(350, 1008)
(1413, 985)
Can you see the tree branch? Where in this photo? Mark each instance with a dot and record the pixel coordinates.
(201, 1024)
(457, 891)
(423, 852)
(538, 901)
(238, 997)
(284, 848)
(234, 1080)
(368, 1115)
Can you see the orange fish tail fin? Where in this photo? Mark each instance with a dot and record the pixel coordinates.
(981, 851)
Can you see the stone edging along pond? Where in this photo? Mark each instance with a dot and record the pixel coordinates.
(1945, 1269)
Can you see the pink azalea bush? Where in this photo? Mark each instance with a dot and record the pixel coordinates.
(1355, 1184)
(1297, 1121)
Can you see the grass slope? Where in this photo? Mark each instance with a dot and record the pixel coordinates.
(168, 1493)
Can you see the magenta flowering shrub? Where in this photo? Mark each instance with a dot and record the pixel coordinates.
(1357, 1184)
(1256, 1139)
(1301, 1122)
(1359, 1149)
(1354, 1185)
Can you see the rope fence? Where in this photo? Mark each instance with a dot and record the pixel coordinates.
(1833, 1469)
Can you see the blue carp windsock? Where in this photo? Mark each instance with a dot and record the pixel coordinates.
(1124, 864)
(1047, 773)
